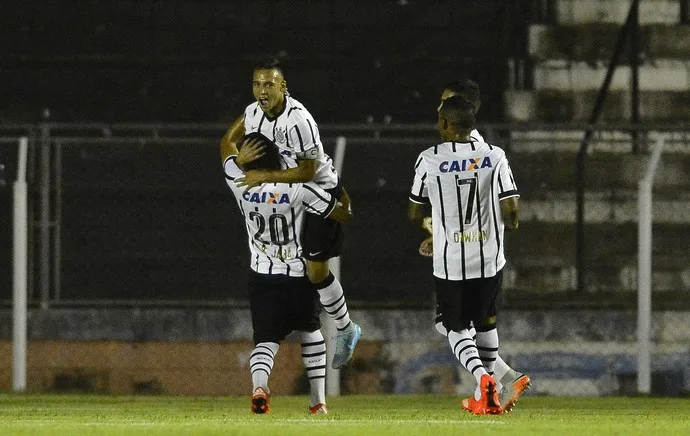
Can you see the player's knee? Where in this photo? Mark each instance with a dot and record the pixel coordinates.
(485, 324)
(317, 272)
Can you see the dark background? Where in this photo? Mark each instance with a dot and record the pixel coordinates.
(191, 60)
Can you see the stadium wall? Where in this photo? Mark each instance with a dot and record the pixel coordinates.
(206, 352)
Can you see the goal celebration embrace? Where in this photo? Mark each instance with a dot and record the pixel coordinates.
(275, 164)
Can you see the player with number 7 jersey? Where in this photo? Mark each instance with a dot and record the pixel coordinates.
(465, 181)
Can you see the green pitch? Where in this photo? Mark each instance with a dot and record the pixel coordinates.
(56, 415)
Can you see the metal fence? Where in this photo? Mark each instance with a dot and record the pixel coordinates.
(140, 212)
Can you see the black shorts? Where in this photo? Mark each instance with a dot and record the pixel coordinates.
(280, 305)
(323, 238)
(459, 302)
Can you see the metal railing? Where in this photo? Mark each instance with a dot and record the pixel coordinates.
(49, 140)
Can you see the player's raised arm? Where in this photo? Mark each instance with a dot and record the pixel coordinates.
(228, 145)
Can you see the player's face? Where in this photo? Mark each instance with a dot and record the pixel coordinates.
(268, 87)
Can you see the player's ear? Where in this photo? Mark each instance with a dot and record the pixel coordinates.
(283, 86)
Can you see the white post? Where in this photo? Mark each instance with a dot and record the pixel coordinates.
(20, 250)
(333, 375)
(644, 273)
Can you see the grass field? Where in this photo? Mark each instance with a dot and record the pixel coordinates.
(350, 415)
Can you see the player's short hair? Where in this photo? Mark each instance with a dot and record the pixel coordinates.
(271, 160)
(458, 111)
(269, 63)
(466, 88)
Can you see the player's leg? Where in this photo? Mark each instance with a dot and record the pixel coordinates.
(269, 311)
(332, 298)
(511, 384)
(458, 306)
(314, 358)
(305, 308)
(322, 240)
(261, 364)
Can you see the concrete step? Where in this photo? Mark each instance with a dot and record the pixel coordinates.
(576, 105)
(608, 11)
(594, 42)
(657, 75)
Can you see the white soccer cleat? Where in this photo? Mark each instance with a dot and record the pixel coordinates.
(345, 344)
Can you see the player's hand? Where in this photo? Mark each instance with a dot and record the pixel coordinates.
(427, 225)
(426, 248)
(250, 151)
(251, 179)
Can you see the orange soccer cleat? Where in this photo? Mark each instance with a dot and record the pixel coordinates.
(319, 409)
(488, 403)
(261, 399)
(517, 388)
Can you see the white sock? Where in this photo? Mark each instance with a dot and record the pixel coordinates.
(314, 358)
(465, 350)
(333, 300)
(261, 363)
(501, 370)
(487, 344)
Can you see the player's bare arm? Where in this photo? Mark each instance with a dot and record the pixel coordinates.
(416, 213)
(304, 172)
(228, 145)
(510, 210)
(341, 214)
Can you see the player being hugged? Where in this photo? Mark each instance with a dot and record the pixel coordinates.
(281, 298)
(288, 124)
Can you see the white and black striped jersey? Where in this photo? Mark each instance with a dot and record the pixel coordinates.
(296, 134)
(476, 136)
(274, 215)
(464, 182)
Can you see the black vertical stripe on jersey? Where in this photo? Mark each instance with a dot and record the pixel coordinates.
(479, 224)
(454, 150)
(500, 185)
(443, 223)
(472, 145)
(491, 147)
(270, 261)
(299, 136)
(512, 180)
(311, 130)
(294, 229)
(263, 117)
(435, 149)
(462, 227)
(493, 211)
(255, 109)
(419, 161)
(275, 123)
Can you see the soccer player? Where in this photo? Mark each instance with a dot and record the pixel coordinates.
(281, 299)
(291, 127)
(511, 384)
(473, 197)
